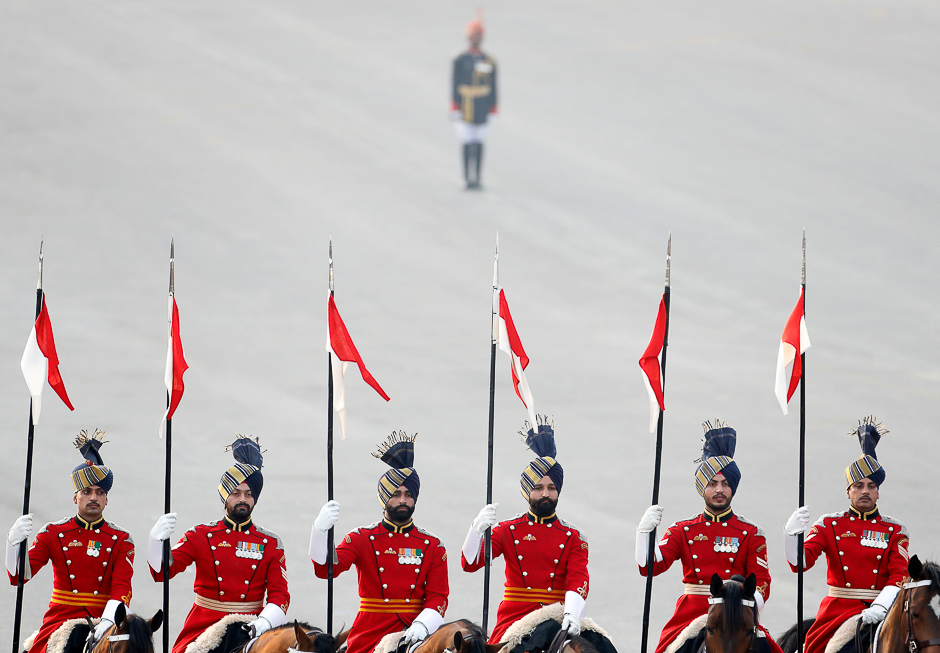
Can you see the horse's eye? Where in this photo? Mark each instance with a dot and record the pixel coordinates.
(711, 631)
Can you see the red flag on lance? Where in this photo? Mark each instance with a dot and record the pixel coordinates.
(340, 345)
(795, 341)
(40, 362)
(175, 363)
(510, 343)
(650, 365)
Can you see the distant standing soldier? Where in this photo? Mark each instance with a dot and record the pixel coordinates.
(473, 99)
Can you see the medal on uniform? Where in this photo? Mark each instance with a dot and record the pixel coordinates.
(410, 556)
(94, 549)
(874, 539)
(249, 550)
(726, 545)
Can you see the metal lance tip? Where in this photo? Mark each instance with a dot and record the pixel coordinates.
(331, 264)
(172, 263)
(669, 260)
(803, 271)
(41, 243)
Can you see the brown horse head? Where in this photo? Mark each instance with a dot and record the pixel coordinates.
(913, 622)
(129, 634)
(298, 636)
(461, 636)
(731, 624)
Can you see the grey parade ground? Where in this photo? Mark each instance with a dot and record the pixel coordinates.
(264, 139)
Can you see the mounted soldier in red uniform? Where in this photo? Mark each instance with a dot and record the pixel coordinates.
(92, 559)
(241, 570)
(402, 568)
(546, 557)
(866, 553)
(716, 541)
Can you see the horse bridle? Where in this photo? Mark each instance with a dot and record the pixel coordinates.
(92, 643)
(752, 646)
(912, 644)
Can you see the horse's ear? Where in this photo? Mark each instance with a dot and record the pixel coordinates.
(156, 621)
(120, 615)
(750, 584)
(716, 585)
(303, 642)
(458, 640)
(914, 568)
(341, 638)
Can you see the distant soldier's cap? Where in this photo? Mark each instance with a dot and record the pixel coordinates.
(869, 434)
(717, 456)
(398, 452)
(475, 26)
(92, 471)
(542, 442)
(247, 468)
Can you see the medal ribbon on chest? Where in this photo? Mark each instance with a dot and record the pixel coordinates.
(249, 550)
(874, 539)
(726, 544)
(94, 549)
(410, 556)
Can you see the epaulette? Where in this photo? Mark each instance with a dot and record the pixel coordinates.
(760, 532)
(429, 534)
(45, 529)
(687, 519)
(831, 515)
(277, 538)
(370, 526)
(121, 530)
(574, 528)
(892, 520)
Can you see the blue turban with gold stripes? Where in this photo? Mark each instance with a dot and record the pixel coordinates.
(717, 451)
(869, 435)
(398, 452)
(92, 471)
(247, 468)
(542, 442)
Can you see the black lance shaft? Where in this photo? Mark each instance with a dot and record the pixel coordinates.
(329, 494)
(799, 539)
(166, 542)
(651, 556)
(487, 542)
(21, 568)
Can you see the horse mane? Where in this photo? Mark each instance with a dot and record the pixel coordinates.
(932, 571)
(733, 594)
(141, 639)
(476, 638)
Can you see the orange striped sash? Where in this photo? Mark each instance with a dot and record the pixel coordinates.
(396, 606)
(524, 595)
(88, 599)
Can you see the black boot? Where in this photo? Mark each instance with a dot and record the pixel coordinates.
(478, 162)
(467, 147)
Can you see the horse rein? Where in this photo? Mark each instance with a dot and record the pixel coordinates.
(912, 644)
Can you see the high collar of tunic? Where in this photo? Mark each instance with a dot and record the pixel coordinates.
(865, 516)
(238, 528)
(90, 525)
(720, 517)
(541, 520)
(392, 527)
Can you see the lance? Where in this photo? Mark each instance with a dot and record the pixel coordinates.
(329, 470)
(799, 539)
(494, 339)
(651, 555)
(166, 480)
(21, 569)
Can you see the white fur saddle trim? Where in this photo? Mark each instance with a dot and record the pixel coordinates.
(212, 636)
(59, 638)
(389, 643)
(524, 626)
(28, 642)
(843, 635)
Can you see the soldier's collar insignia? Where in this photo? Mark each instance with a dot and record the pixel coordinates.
(90, 525)
(395, 528)
(863, 515)
(541, 520)
(721, 517)
(238, 528)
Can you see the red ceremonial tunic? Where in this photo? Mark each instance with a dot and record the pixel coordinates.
(236, 564)
(864, 554)
(545, 557)
(707, 544)
(402, 570)
(92, 563)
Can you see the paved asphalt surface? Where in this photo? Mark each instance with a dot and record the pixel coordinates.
(252, 132)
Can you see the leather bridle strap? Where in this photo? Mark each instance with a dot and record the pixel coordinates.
(912, 644)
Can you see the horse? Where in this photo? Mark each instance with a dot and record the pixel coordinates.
(912, 622)
(729, 627)
(297, 636)
(463, 636)
(129, 634)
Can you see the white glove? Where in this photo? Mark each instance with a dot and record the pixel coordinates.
(101, 629)
(574, 608)
(798, 522)
(875, 614)
(164, 527)
(21, 529)
(486, 519)
(425, 624)
(107, 619)
(417, 632)
(271, 617)
(651, 519)
(571, 624)
(329, 515)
